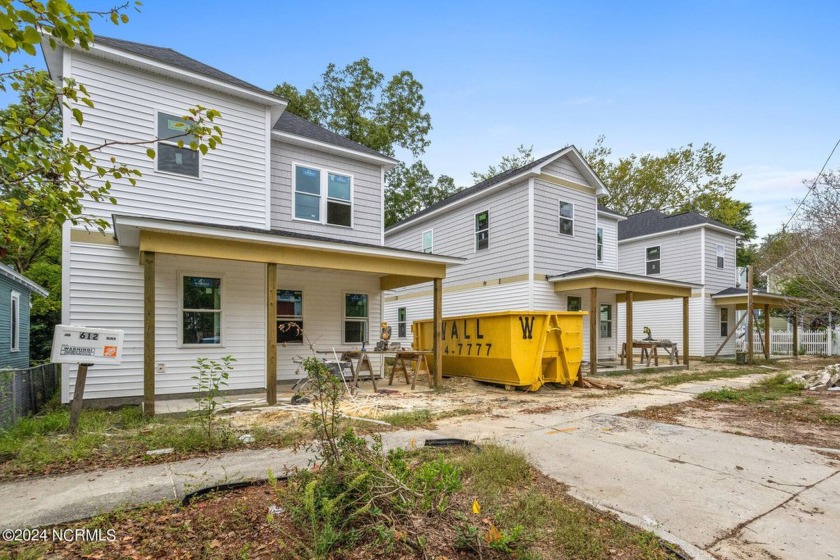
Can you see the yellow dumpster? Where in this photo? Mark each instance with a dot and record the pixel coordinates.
(513, 348)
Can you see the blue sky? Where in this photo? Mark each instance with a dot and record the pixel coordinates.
(759, 80)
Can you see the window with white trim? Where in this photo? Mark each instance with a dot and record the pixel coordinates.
(401, 322)
(201, 310)
(721, 253)
(323, 196)
(566, 216)
(175, 152)
(606, 320)
(724, 321)
(599, 244)
(482, 230)
(356, 316)
(14, 323)
(653, 260)
(428, 241)
(289, 316)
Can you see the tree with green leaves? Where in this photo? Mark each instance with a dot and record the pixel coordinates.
(683, 179)
(45, 181)
(411, 188)
(357, 102)
(523, 156)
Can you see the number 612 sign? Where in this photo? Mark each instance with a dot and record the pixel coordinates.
(83, 345)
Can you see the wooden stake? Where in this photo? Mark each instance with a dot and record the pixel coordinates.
(78, 396)
(795, 334)
(732, 332)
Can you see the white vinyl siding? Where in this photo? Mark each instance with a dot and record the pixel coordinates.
(455, 236)
(232, 189)
(555, 253)
(664, 318)
(106, 290)
(718, 279)
(565, 169)
(680, 256)
(367, 196)
(610, 250)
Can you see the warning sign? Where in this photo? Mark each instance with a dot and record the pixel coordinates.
(83, 345)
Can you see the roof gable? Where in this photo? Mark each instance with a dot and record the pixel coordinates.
(508, 177)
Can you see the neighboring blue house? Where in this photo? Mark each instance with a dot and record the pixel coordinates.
(15, 294)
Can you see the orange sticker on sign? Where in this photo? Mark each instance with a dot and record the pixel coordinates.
(109, 352)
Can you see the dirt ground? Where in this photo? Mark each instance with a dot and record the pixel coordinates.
(811, 417)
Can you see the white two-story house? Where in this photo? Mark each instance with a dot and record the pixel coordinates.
(533, 239)
(209, 253)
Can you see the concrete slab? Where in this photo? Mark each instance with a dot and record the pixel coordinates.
(60, 499)
(804, 527)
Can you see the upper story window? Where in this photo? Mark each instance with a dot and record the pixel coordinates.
(14, 325)
(201, 310)
(171, 131)
(567, 218)
(652, 256)
(428, 241)
(289, 316)
(599, 244)
(721, 253)
(310, 204)
(482, 230)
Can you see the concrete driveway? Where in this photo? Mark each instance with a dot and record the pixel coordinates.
(715, 494)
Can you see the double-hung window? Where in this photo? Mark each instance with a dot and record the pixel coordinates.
(176, 150)
(323, 196)
(653, 259)
(401, 322)
(724, 321)
(201, 310)
(14, 324)
(482, 230)
(289, 316)
(606, 320)
(599, 244)
(428, 241)
(721, 253)
(356, 315)
(566, 213)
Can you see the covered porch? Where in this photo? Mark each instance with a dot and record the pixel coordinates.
(243, 274)
(610, 286)
(742, 300)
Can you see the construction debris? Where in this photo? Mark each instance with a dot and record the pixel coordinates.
(590, 383)
(825, 379)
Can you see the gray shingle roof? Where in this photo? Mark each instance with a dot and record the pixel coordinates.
(301, 127)
(174, 58)
(287, 122)
(495, 180)
(654, 221)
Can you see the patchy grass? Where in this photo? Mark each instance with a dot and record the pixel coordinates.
(691, 377)
(771, 389)
(40, 445)
(409, 418)
(522, 515)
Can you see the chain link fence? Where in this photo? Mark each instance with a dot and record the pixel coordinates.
(25, 391)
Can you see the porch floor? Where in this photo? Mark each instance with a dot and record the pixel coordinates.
(611, 367)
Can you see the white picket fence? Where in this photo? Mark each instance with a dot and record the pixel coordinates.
(823, 343)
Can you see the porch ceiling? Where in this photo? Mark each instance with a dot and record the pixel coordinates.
(396, 268)
(643, 288)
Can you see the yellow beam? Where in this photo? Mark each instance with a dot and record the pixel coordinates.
(195, 246)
